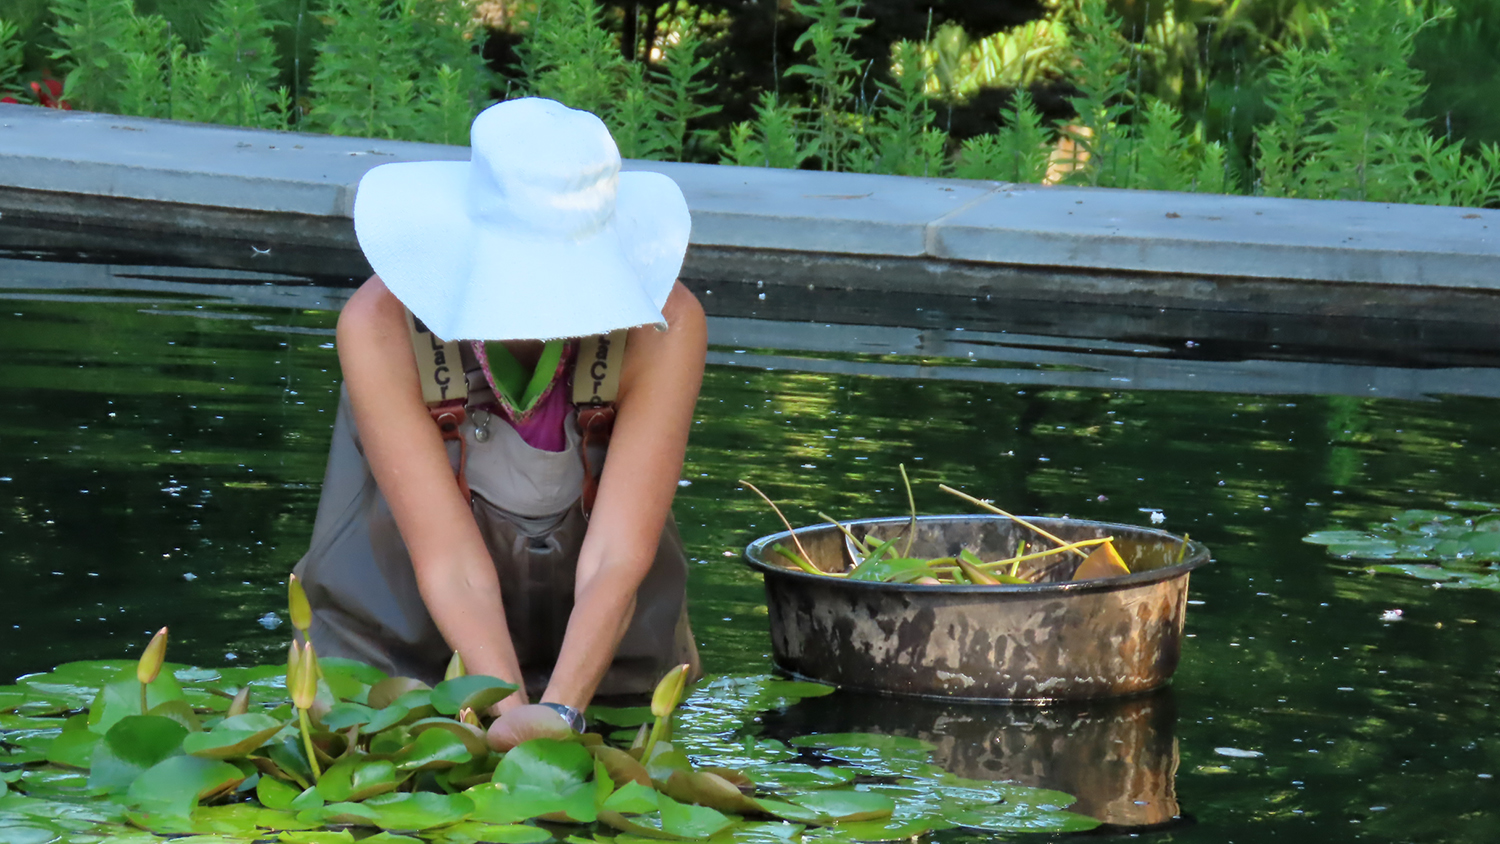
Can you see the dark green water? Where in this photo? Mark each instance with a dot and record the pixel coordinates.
(160, 460)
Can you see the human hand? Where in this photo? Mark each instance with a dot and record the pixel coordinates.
(527, 722)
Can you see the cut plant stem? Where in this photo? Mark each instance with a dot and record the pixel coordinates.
(1015, 562)
(793, 531)
(1182, 549)
(911, 502)
(993, 509)
(859, 546)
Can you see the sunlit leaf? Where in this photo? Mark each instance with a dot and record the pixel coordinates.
(792, 775)
(476, 832)
(121, 698)
(233, 737)
(633, 799)
(275, 794)
(545, 764)
(472, 737)
(419, 810)
(75, 748)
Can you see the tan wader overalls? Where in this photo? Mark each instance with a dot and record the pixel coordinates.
(529, 506)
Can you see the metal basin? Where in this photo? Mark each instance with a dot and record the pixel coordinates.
(1054, 639)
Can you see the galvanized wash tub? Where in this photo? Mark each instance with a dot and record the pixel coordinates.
(1055, 639)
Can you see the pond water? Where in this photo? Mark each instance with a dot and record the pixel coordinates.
(163, 433)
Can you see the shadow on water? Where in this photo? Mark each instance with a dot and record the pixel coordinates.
(1119, 757)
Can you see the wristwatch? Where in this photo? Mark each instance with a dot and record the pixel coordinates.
(569, 714)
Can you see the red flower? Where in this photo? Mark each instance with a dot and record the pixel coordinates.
(10, 100)
(52, 96)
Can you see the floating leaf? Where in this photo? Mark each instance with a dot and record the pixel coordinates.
(134, 744)
(474, 832)
(673, 820)
(837, 805)
(174, 786)
(620, 766)
(419, 810)
(275, 794)
(1007, 817)
(355, 814)
(75, 748)
(355, 779)
(793, 775)
(629, 716)
(474, 691)
(344, 715)
(705, 789)
(433, 750)
(903, 745)
(882, 830)
(472, 737)
(233, 737)
(545, 764)
(387, 691)
(633, 799)
(121, 698)
(343, 836)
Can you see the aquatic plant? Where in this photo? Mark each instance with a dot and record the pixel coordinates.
(1458, 548)
(878, 559)
(98, 748)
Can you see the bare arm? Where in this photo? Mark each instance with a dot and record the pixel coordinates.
(658, 390)
(410, 462)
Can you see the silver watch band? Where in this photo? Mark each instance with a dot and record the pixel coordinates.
(569, 714)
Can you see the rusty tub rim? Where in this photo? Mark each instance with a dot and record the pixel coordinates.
(1198, 555)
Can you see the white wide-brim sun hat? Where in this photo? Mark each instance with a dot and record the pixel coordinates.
(538, 236)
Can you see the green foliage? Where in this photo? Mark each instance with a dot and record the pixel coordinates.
(899, 137)
(1100, 75)
(1343, 124)
(679, 95)
(90, 33)
(10, 56)
(421, 84)
(778, 137)
(234, 79)
(1017, 153)
(569, 57)
(1458, 548)
(185, 768)
(152, 56)
(832, 70)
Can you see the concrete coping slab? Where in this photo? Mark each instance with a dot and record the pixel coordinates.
(945, 220)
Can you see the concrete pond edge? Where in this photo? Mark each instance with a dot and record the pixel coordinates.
(67, 175)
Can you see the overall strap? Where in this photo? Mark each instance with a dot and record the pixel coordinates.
(445, 390)
(596, 386)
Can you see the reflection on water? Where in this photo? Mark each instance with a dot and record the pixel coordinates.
(1118, 757)
(159, 465)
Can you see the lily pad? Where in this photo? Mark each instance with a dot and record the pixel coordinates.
(133, 744)
(355, 779)
(1007, 817)
(626, 716)
(174, 787)
(797, 776)
(904, 745)
(546, 764)
(344, 715)
(474, 691)
(387, 691)
(433, 750)
(472, 737)
(475, 832)
(882, 830)
(419, 810)
(233, 737)
(75, 748)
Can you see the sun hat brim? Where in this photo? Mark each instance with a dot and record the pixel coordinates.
(475, 280)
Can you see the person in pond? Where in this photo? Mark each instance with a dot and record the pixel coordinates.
(524, 316)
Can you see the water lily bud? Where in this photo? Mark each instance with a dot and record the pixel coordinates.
(241, 703)
(297, 605)
(669, 691)
(455, 667)
(152, 658)
(293, 666)
(306, 690)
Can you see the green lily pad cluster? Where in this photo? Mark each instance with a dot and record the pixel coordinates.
(81, 764)
(1458, 548)
(334, 750)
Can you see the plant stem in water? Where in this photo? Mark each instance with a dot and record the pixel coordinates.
(911, 532)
